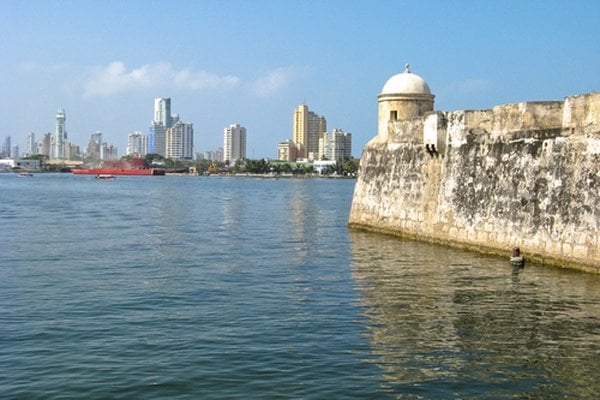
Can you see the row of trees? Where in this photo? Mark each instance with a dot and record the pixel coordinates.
(347, 167)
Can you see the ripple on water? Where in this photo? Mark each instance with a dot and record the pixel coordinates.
(182, 287)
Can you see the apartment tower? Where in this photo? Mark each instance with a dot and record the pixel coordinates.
(137, 144)
(234, 143)
(179, 141)
(308, 128)
(162, 112)
(60, 135)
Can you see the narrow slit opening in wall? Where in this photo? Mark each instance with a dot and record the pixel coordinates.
(393, 115)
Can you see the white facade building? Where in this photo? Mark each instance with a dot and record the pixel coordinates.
(137, 144)
(234, 143)
(179, 141)
(31, 146)
(60, 135)
(44, 145)
(335, 145)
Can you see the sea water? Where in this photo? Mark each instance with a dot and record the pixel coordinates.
(181, 287)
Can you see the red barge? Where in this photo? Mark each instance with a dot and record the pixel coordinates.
(118, 171)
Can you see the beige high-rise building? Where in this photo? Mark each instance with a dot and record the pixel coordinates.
(308, 128)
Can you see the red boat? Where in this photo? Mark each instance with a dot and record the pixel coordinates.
(118, 171)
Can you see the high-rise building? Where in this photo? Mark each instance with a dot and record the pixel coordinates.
(162, 121)
(162, 111)
(179, 141)
(335, 145)
(72, 151)
(219, 154)
(137, 144)
(6, 147)
(300, 133)
(31, 147)
(60, 135)
(156, 139)
(44, 146)
(234, 143)
(308, 128)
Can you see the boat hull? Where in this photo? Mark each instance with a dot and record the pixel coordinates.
(117, 171)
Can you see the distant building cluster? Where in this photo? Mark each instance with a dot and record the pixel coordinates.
(57, 148)
(311, 141)
(170, 137)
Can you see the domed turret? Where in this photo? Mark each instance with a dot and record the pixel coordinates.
(406, 83)
(404, 96)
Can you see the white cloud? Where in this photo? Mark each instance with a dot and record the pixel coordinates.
(276, 80)
(204, 80)
(115, 78)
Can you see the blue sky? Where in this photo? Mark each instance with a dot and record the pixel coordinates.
(254, 62)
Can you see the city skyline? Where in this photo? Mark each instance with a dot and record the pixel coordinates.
(474, 55)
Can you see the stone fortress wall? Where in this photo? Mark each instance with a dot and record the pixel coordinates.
(521, 175)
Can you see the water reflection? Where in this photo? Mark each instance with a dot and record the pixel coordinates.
(446, 323)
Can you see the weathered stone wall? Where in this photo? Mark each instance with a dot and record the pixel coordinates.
(525, 174)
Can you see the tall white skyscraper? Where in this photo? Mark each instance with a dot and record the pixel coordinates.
(162, 121)
(234, 143)
(179, 142)
(60, 135)
(31, 146)
(162, 112)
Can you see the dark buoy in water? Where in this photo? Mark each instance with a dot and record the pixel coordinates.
(516, 259)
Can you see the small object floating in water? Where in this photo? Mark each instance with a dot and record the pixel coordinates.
(105, 176)
(26, 174)
(516, 259)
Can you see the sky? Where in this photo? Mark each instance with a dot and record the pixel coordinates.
(252, 62)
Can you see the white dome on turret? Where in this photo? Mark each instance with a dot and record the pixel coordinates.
(404, 96)
(406, 83)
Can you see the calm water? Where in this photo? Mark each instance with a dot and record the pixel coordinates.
(191, 287)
